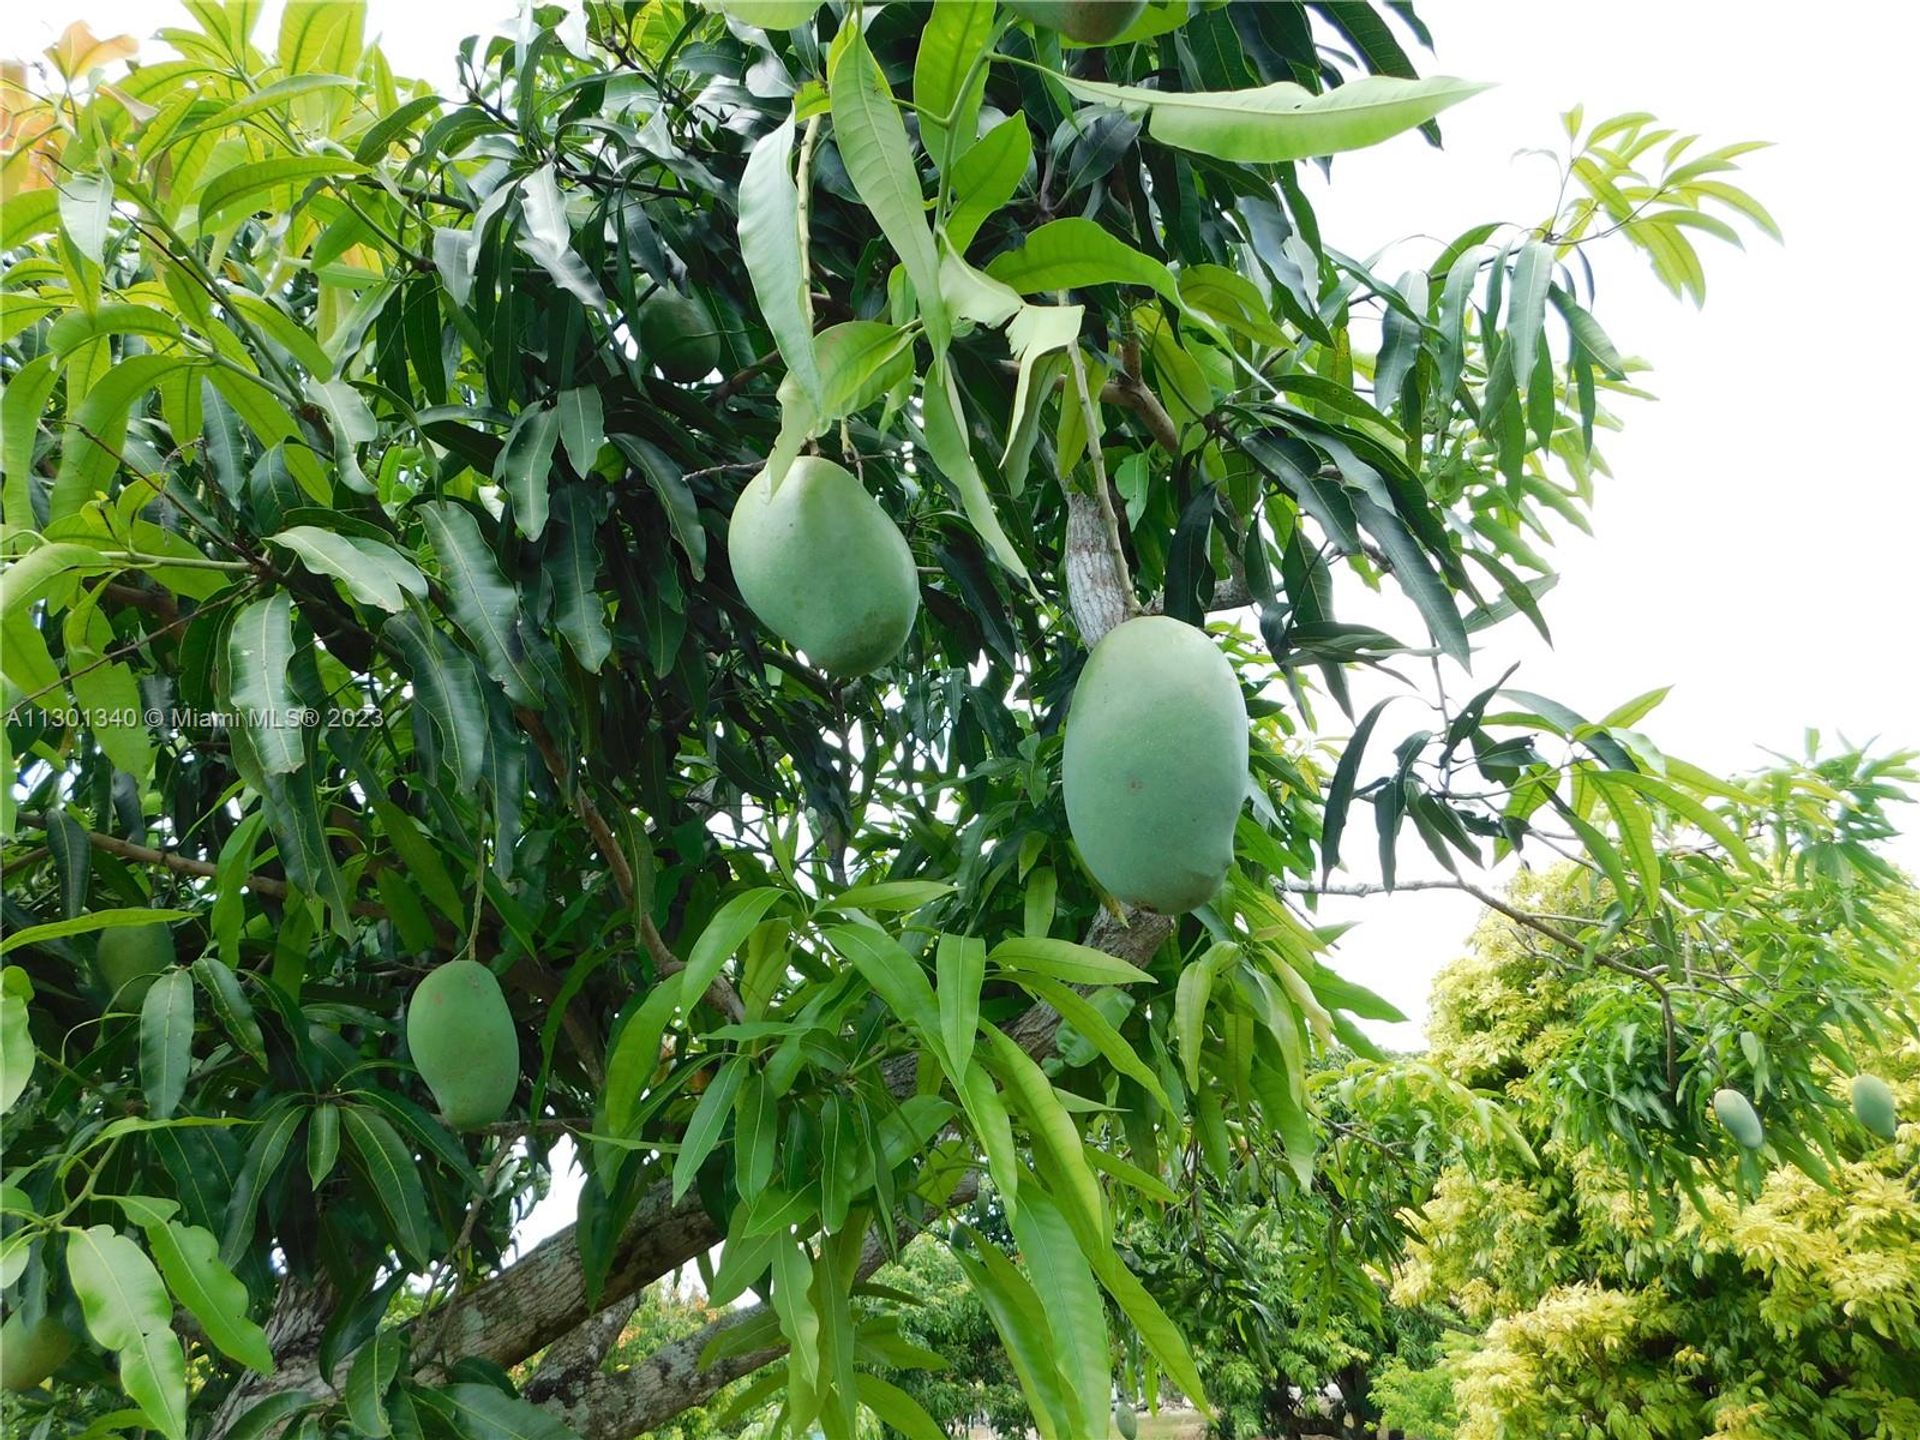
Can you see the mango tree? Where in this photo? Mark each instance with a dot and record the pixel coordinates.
(378, 600)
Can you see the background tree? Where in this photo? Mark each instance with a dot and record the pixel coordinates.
(347, 411)
(1785, 1308)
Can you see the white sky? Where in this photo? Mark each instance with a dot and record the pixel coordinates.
(1756, 548)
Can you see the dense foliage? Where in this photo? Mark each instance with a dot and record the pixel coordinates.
(368, 605)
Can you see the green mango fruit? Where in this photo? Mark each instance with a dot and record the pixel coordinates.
(1873, 1106)
(676, 333)
(1125, 1420)
(1091, 22)
(1155, 767)
(129, 956)
(1736, 1113)
(464, 1043)
(823, 567)
(30, 1353)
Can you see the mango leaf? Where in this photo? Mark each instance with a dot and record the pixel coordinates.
(1064, 1282)
(1283, 121)
(573, 562)
(374, 572)
(483, 604)
(961, 963)
(259, 651)
(485, 1413)
(893, 975)
(1067, 254)
(524, 464)
(986, 177)
(873, 147)
(1065, 960)
(189, 1259)
(87, 924)
(583, 428)
(770, 244)
(17, 1053)
(392, 1176)
(956, 34)
(127, 1311)
(86, 208)
(946, 436)
(708, 1123)
(1021, 1322)
(166, 1041)
(1056, 1140)
(547, 238)
(246, 187)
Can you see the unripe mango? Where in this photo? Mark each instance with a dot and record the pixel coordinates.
(1091, 22)
(1155, 766)
(129, 956)
(1873, 1106)
(823, 567)
(676, 333)
(1125, 1420)
(1736, 1112)
(464, 1043)
(30, 1353)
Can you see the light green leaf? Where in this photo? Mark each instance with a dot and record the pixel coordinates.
(893, 975)
(86, 207)
(770, 244)
(1056, 1139)
(893, 1406)
(485, 1413)
(946, 436)
(25, 399)
(873, 147)
(259, 650)
(1097, 1031)
(961, 963)
(127, 1311)
(77, 327)
(245, 187)
(16, 1039)
(726, 932)
(189, 1258)
(1065, 960)
(86, 924)
(1527, 306)
(986, 177)
(889, 895)
(1021, 1322)
(1075, 252)
(767, 14)
(548, 238)
(709, 1120)
(1161, 1336)
(1283, 121)
(1036, 331)
(166, 1041)
(1064, 1282)
(956, 34)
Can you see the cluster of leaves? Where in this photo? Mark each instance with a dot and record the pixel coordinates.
(325, 412)
(1768, 1294)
